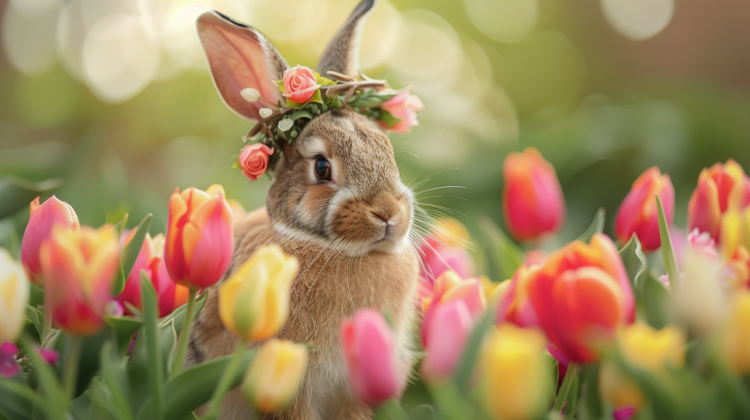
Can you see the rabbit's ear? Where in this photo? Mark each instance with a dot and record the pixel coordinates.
(240, 57)
(340, 55)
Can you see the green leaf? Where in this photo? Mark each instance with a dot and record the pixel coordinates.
(387, 118)
(48, 383)
(670, 260)
(16, 193)
(120, 226)
(635, 263)
(194, 386)
(592, 403)
(571, 402)
(123, 329)
(17, 399)
(322, 81)
(596, 226)
(370, 99)
(335, 102)
(129, 254)
(155, 362)
(465, 368)
(505, 254)
(178, 316)
(655, 301)
(302, 113)
(394, 410)
(665, 401)
(451, 402)
(37, 318)
(113, 374)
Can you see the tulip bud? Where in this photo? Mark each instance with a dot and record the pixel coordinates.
(274, 375)
(720, 187)
(533, 202)
(644, 348)
(41, 220)
(638, 213)
(442, 250)
(450, 328)
(581, 296)
(515, 373)
(14, 295)
(734, 336)
(254, 302)
(369, 351)
(79, 268)
(449, 286)
(199, 237)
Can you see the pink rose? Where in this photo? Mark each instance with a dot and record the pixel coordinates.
(254, 160)
(403, 106)
(299, 84)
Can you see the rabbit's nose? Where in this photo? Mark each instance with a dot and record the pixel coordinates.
(380, 216)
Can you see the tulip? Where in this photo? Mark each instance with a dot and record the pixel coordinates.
(446, 338)
(449, 286)
(14, 295)
(514, 305)
(533, 202)
(638, 213)
(734, 337)
(274, 375)
(644, 348)
(719, 188)
(515, 373)
(41, 220)
(254, 302)
(79, 268)
(442, 250)
(150, 259)
(369, 350)
(581, 296)
(199, 237)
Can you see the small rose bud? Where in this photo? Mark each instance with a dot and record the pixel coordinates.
(250, 94)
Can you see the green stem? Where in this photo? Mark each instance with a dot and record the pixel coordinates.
(47, 329)
(226, 379)
(185, 336)
(570, 373)
(70, 368)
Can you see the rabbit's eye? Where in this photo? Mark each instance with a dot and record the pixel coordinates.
(323, 169)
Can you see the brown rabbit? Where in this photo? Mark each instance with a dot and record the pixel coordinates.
(336, 203)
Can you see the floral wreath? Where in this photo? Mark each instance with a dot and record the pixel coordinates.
(308, 94)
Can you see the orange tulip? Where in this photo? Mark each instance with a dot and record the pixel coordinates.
(79, 268)
(638, 213)
(41, 221)
(581, 295)
(199, 236)
(533, 202)
(720, 188)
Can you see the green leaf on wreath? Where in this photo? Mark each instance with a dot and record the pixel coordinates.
(387, 118)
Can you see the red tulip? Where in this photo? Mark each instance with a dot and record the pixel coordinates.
(581, 295)
(446, 338)
(533, 202)
(199, 237)
(41, 220)
(368, 346)
(79, 268)
(719, 188)
(638, 213)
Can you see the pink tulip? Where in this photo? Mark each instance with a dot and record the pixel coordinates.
(41, 220)
(368, 347)
(448, 287)
(450, 328)
(638, 213)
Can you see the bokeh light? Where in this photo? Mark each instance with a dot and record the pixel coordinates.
(638, 19)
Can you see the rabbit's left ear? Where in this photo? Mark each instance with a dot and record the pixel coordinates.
(340, 55)
(240, 57)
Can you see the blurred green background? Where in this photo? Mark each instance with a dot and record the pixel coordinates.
(110, 102)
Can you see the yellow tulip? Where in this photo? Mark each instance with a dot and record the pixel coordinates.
(734, 343)
(14, 295)
(647, 349)
(254, 302)
(516, 374)
(274, 374)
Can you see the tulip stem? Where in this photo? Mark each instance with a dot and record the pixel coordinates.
(179, 355)
(47, 329)
(570, 373)
(70, 369)
(226, 378)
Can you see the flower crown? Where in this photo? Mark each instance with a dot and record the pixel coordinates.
(308, 94)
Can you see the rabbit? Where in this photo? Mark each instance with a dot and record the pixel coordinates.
(337, 204)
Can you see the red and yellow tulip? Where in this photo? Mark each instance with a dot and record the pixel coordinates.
(41, 221)
(199, 237)
(533, 202)
(14, 295)
(638, 213)
(720, 187)
(581, 296)
(79, 268)
(450, 286)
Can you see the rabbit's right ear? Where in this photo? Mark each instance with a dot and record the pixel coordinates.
(240, 57)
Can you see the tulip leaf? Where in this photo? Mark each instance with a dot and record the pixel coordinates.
(453, 405)
(505, 254)
(48, 382)
(732, 385)
(37, 318)
(129, 254)
(120, 226)
(123, 329)
(571, 402)
(17, 399)
(592, 403)
(16, 193)
(635, 262)
(113, 374)
(178, 316)
(664, 400)
(155, 363)
(596, 226)
(194, 386)
(667, 251)
(465, 368)
(655, 300)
